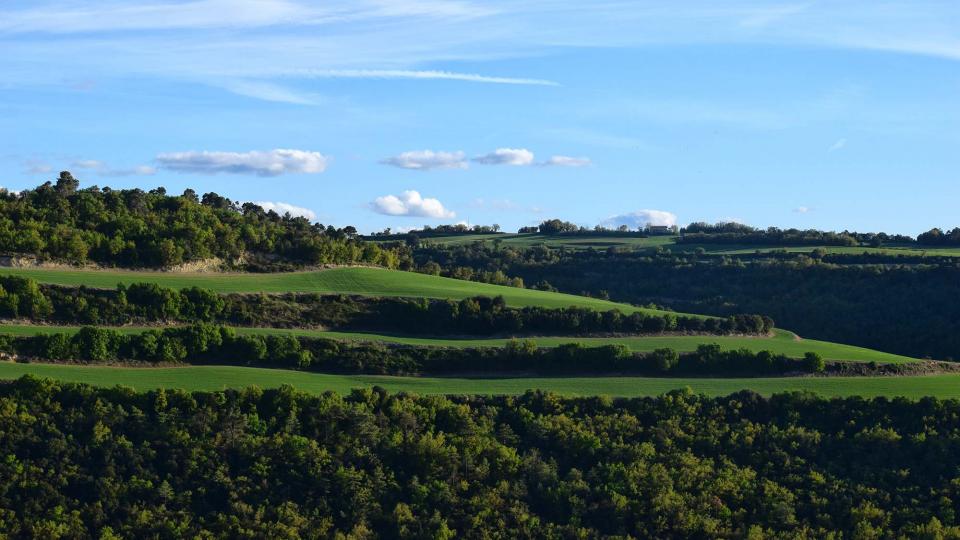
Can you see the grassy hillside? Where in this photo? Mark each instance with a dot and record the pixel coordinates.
(360, 281)
(782, 342)
(218, 378)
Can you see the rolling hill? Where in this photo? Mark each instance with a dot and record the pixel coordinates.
(208, 378)
(353, 280)
(782, 342)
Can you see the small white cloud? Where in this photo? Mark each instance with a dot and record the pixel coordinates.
(837, 145)
(641, 218)
(426, 160)
(260, 163)
(102, 169)
(802, 209)
(410, 203)
(506, 156)
(287, 208)
(567, 161)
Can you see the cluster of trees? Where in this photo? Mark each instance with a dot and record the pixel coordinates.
(557, 226)
(441, 230)
(936, 237)
(209, 344)
(114, 463)
(150, 303)
(738, 233)
(134, 228)
(902, 304)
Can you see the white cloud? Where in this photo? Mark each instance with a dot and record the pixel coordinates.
(287, 208)
(102, 169)
(641, 218)
(567, 161)
(425, 160)
(506, 156)
(837, 145)
(802, 209)
(410, 203)
(260, 163)
(420, 74)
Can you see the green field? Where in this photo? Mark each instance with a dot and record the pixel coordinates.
(782, 342)
(356, 280)
(219, 377)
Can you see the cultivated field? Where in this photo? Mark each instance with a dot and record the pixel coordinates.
(359, 281)
(782, 342)
(208, 378)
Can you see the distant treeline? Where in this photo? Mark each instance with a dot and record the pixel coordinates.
(439, 230)
(738, 233)
(208, 344)
(147, 303)
(560, 227)
(902, 304)
(936, 237)
(86, 462)
(135, 228)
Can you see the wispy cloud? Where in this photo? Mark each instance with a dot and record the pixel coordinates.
(421, 74)
(268, 91)
(802, 209)
(762, 17)
(155, 15)
(259, 163)
(37, 167)
(426, 160)
(102, 169)
(376, 39)
(567, 161)
(412, 204)
(837, 145)
(287, 208)
(506, 156)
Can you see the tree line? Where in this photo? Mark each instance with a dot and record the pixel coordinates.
(211, 344)
(148, 303)
(115, 463)
(150, 229)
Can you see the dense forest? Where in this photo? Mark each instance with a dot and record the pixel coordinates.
(147, 303)
(136, 228)
(902, 304)
(83, 462)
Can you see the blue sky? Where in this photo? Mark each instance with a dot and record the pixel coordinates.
(824, 114)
